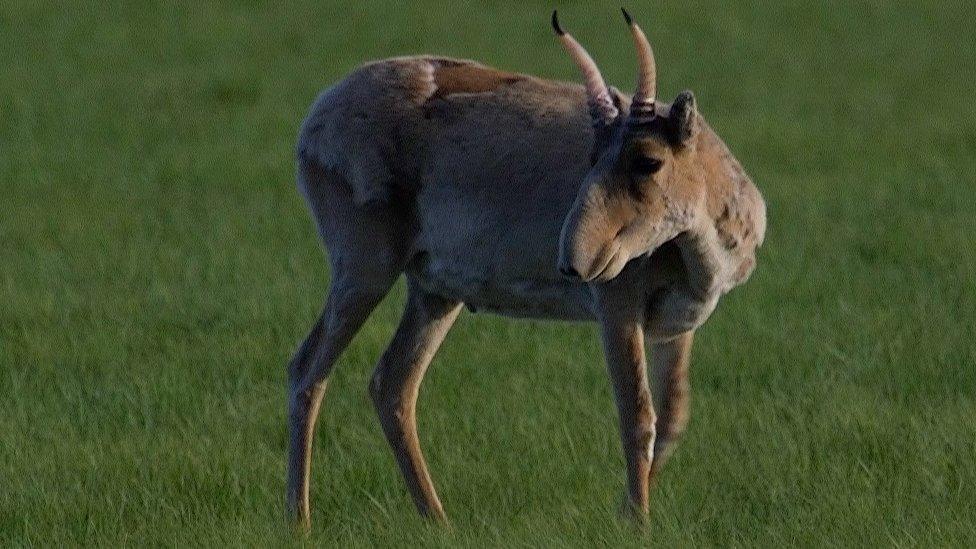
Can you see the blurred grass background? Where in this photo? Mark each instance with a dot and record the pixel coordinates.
(157, 268)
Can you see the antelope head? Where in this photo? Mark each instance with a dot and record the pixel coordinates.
(646, 180)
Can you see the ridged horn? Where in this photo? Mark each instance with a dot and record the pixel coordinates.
(601, 104)
(643, 103)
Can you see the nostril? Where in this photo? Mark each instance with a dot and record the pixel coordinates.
(568, 270)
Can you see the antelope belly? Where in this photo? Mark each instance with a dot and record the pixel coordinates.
(509, 296)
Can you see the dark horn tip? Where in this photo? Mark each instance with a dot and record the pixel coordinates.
(627, 17)
(555, 24)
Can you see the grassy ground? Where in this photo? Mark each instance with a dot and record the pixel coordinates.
(157, 269)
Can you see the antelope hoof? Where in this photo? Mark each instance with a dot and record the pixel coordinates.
(634, 513)
(299, 520)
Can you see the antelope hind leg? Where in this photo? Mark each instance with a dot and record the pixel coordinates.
(396, 383)
(344, 313)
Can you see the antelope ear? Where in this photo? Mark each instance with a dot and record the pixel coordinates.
(683, 119)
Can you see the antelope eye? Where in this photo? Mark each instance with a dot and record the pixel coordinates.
(645, 165)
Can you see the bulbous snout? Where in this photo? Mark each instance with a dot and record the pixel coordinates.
(568, 253)
(567, 270)
(604, 231)
(588, 249)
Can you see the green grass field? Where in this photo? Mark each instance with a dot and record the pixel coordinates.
(157, 269)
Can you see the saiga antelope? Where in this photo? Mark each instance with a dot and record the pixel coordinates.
(528, 198)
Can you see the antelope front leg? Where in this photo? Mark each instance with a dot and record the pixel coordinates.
(669, 364)
(396, 383)
(623, 340)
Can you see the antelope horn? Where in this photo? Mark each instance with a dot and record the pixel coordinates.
(602, 108)
(643, 102)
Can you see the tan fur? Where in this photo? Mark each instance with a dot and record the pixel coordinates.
(475, 183)
(453, 78)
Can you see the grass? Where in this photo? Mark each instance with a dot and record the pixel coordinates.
(157, 268)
